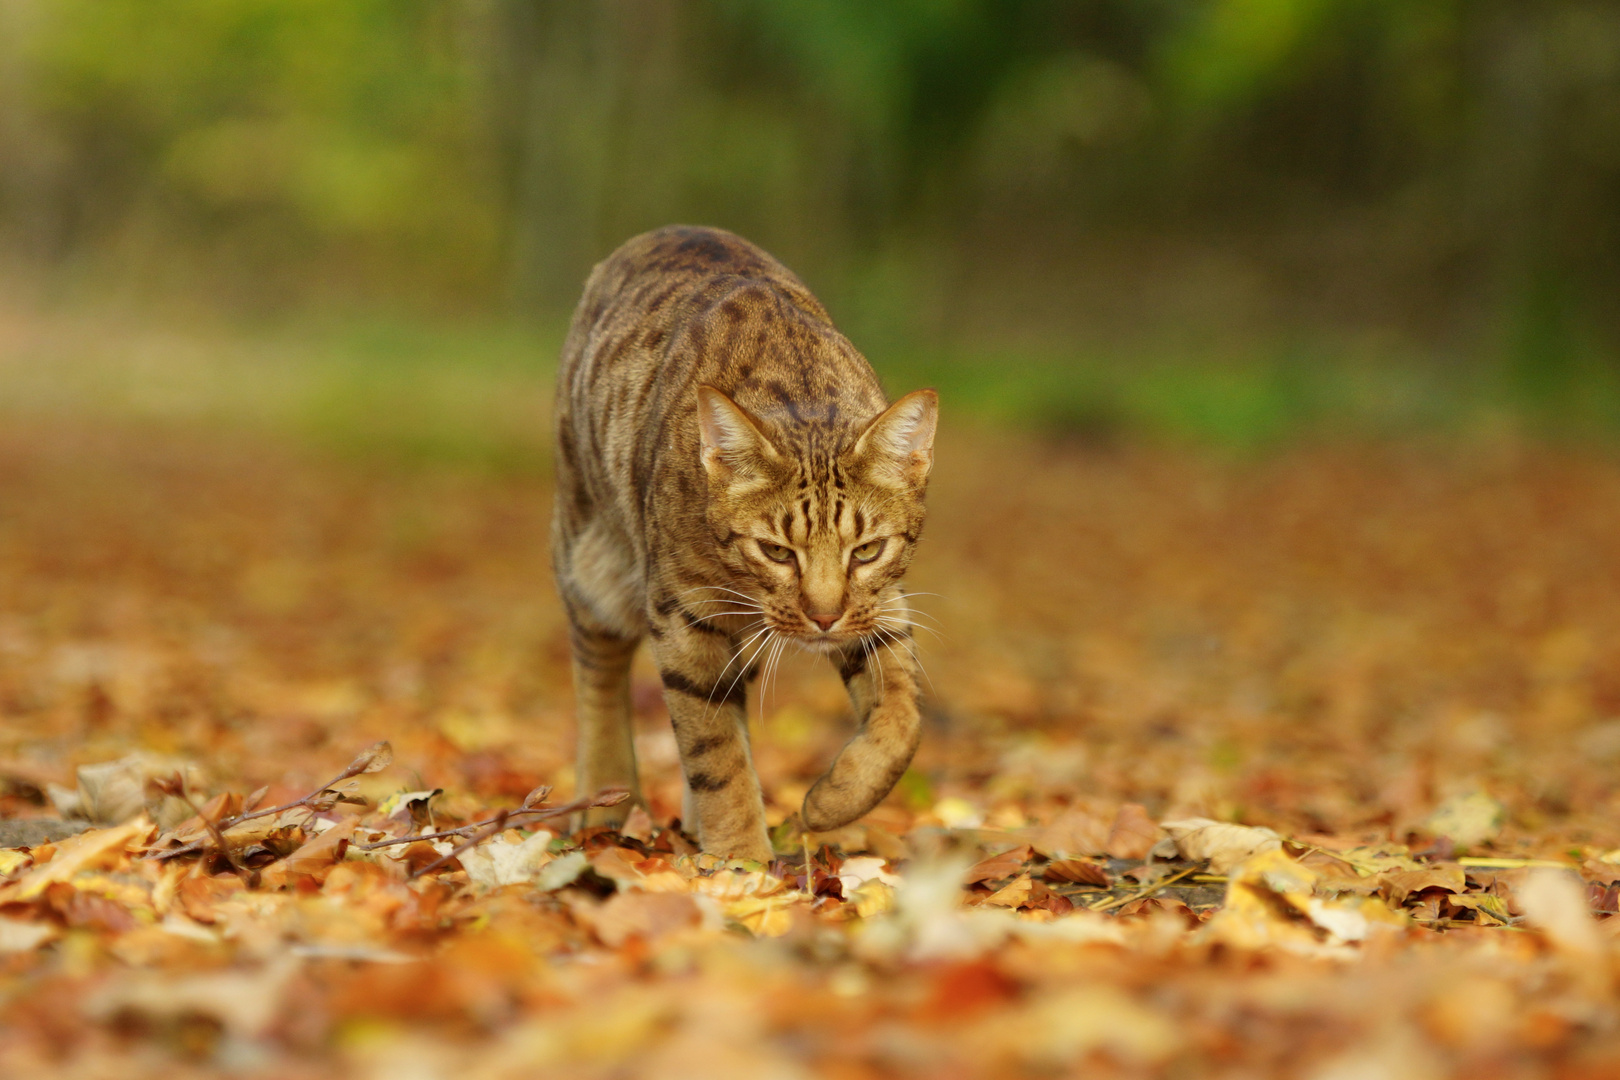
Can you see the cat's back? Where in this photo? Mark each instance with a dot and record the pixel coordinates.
(687, 305)
(661, 293)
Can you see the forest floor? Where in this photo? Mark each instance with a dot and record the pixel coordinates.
(1300, 764)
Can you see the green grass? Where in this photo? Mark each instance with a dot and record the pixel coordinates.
(478, 393)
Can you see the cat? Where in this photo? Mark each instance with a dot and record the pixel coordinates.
(731, 480)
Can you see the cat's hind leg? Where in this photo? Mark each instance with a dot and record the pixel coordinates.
(596, 581)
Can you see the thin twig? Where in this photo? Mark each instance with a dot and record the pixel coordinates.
(535, 812)
(176, 786)
(607, 797)
(374, 758)
(1148, 890)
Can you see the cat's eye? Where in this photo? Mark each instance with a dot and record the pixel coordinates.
(868, 551)
(776, 552)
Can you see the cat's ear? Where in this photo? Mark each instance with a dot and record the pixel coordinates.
(897, 448)
(734, 449)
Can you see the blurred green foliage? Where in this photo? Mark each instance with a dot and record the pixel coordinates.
(1017, 196)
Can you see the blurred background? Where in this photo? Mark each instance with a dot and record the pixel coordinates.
(1227, 220)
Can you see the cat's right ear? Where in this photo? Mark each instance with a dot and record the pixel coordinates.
(735, 451)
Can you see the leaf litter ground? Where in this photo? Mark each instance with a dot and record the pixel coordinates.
(1300, 766)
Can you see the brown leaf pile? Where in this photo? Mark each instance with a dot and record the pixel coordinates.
(1296, 767)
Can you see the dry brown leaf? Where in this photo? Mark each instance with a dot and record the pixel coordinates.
(1077, 871)
(1397, 885)
(316, 856)
(1222, 843)
(999, 866)
(1133, 833)
(645, 915)
(1073, 832)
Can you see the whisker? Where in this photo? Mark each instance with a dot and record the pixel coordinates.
(871, 662)
(772, 665)
(915, 659)
(717, 588)
(740, 671)
(722, 614)
(889, 622)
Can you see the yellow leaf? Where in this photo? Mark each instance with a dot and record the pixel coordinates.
(872, 897)
(765, 916)
(1014, 894)
(77, 853)
(730, 885)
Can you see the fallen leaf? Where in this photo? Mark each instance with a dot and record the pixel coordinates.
(872, 897)
(996, 867)
(1077, 871)
(1015, 893)
(855, 872)
(644, 915)
(1467, 820)
(1133, 833)
(561, 871)
(314, 858)
(638, 825)
(1222, 843)
(492, 865)
(1073, 832)
(1397, 885)
(729, 885)
(84, 851)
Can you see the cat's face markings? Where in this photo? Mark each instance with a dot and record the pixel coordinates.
(829, 529)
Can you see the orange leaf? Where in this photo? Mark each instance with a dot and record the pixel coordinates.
(997, 867)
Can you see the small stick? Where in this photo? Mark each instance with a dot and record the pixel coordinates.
(468, 830)
(374, 758)
(176, 785)
(606, 797)
(530, 806)
(1140, 893)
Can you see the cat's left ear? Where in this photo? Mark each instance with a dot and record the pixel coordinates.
(898, 446)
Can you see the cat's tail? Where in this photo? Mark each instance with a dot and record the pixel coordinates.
(868, 766)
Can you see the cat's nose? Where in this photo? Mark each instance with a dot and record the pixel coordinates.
(824, 621)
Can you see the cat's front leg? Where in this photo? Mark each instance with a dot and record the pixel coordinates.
(880, 673)
(705, 688)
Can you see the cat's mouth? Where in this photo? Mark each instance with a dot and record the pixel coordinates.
(817, 640)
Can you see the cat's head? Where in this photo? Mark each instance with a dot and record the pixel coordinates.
(819, 531)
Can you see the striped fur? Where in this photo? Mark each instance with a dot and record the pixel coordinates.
(732, 481)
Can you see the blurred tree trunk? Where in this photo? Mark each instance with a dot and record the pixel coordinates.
(31, 210)
(586, 100)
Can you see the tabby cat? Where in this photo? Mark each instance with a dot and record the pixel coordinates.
(731, 481)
